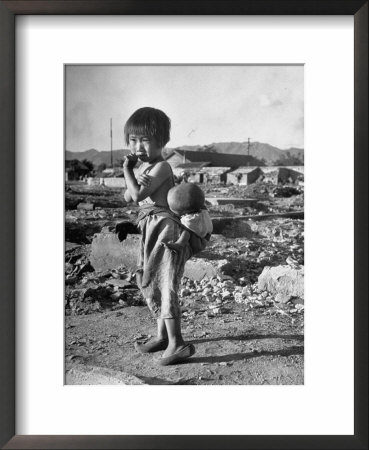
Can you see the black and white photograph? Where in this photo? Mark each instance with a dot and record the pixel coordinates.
(184, 224)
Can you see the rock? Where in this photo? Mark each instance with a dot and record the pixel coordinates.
(283, 280)
(226, 278)
(238, 297)
(85, 206)
(107, 252)
(297, 301)
(184, 292)
(198, 268)
(71, 246)
(71, 280)
(246, 290)
(282, 298)
(117, 296)
(119, 283)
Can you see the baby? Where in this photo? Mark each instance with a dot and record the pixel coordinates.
(188, 202)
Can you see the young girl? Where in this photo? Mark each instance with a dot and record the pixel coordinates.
(160, 270)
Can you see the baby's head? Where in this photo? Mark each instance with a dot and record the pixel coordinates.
(151, 123)
(186, 198)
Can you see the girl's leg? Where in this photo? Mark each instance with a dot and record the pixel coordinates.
(176, 342)
(160, 342)
(162, 330)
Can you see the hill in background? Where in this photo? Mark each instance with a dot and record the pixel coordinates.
(257, 149)
(271, 155)
(97, 157)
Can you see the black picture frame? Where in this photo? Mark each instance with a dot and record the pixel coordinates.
(8, 12)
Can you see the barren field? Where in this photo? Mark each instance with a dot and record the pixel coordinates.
(242, 298)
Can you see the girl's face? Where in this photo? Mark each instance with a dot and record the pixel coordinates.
(144, 147)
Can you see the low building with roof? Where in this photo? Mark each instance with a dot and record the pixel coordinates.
(244, 175)
(190, 171)
(215, 175)
(182, 156)
(281, 174)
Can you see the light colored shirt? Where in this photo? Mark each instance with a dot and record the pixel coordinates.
(199, 223)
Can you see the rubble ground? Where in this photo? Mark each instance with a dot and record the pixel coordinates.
(246, 322)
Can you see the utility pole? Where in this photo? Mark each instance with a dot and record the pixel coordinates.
(111, 143)
(248, 150)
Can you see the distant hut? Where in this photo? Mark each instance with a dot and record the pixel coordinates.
(244, 175)
(281, 174)
(191, 171)
(299, 169)
(215, 175)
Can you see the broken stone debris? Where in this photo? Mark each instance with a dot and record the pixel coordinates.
(219, 291)
(98, 292)
(76, 266)
(106, 292)
(212, 282)
(272, 243)
(286, 191)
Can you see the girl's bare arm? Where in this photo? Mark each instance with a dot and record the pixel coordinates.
(127, 196)
(160, 173)
(142, 180)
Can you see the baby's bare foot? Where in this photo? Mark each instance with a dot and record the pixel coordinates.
(173, 246)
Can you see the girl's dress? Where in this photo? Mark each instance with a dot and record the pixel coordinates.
(161, 268)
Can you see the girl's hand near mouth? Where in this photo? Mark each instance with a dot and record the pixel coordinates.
(144, 180)
(130, 161)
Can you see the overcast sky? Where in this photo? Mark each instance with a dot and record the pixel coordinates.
(205, 103)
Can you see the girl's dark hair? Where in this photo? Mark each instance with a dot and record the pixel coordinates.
(149, 122)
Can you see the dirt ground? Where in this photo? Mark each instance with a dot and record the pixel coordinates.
(243, 336)
(241, 347)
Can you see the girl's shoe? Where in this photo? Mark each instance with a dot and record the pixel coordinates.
(152, 346)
